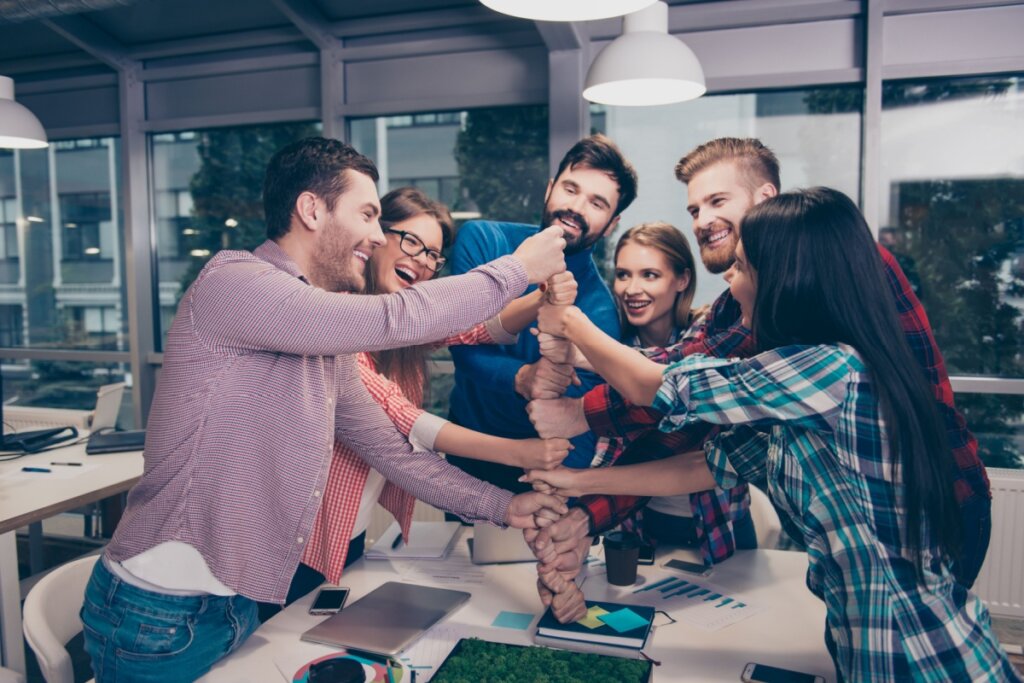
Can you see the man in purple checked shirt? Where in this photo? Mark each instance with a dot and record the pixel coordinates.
(258, 381)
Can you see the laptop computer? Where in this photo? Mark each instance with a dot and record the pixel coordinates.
(104, 437)
(388, 619)
(493, 545)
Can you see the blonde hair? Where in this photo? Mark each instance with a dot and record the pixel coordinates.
(667, 239)
(758, 163)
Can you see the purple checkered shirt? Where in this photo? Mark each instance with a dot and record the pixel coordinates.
(256, 384)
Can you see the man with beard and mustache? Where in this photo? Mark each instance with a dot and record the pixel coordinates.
(724, 178)
(258, 381)
(593, 186)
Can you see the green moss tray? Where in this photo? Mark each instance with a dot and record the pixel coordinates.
(473, 660)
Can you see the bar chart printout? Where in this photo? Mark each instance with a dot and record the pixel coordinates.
(698, 603)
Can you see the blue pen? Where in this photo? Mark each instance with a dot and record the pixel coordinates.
(35, 469)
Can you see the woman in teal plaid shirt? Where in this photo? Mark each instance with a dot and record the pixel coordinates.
(836, 414)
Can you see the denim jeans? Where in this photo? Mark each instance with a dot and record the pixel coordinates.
(136, 635)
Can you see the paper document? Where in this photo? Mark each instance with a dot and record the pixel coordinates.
(698, 603)
(427, 541)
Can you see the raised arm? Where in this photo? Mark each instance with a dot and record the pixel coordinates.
(363, 425)
(684, 473)
(625, 368)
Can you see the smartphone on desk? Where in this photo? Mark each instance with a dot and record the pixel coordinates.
(688, 567)
(646, 555)
(329, 601)
(762, 673)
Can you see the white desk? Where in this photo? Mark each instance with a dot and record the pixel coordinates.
(23, 502)
(789, 633)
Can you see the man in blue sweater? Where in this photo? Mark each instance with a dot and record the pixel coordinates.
(493, 384)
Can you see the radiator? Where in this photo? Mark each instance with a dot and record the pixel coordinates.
(1001, 581)
(21, 418)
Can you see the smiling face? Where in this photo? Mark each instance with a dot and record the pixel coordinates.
(742, 284)
(717, 199)
(646, 287)
(582, 202)
(393, 269)
(347, 237)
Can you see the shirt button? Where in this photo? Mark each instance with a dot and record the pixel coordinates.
(316, 494)
(300, 540)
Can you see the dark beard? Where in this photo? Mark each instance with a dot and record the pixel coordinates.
(577, 245)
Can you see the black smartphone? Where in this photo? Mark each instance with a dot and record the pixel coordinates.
(329, 601)
(688, 567)
(762, 673)
(646, 554)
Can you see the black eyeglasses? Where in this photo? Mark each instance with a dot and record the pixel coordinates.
(411, 245)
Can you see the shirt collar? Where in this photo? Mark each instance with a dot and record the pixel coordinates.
(271, 252)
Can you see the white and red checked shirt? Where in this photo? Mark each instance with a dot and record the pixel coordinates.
(346, 481)
(258, 382)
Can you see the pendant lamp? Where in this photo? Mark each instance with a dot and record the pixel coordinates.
(566, 10)
(19, 128)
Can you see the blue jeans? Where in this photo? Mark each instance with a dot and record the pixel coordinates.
(134, 635)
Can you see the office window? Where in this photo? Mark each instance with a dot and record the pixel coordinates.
(86, 226)
(8, 228)
(480, 162)
(208, 188)
(63, 384)
(814, 132)
(63, 201)
(11, 325)
(953, 213)
(483, 163)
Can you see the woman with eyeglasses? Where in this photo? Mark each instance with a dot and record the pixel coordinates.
(417, 229)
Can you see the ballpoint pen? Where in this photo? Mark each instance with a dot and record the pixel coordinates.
(35, 469)
(67, 464)
(397, 542)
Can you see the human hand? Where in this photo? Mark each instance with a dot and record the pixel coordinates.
(568, 536)
(533, 509)
(544, 379)
(541, 454)
(564, 597)
(558, 481)
(558, 417)
(556, 349)
(553, 319)
(560, 289)
(542, 254)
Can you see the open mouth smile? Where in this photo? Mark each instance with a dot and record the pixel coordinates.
(406, 275)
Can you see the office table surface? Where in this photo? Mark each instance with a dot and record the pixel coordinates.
(787, 633)
(24, 500)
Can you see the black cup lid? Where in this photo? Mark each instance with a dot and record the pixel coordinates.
(621, 540)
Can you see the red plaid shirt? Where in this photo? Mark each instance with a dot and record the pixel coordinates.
(722, 335)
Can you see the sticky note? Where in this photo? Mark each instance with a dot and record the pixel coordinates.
(592, 620)
(516, 620)
(623, 620)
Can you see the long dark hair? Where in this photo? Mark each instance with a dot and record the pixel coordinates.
(407, 366)
(667, 239)
(821, 280)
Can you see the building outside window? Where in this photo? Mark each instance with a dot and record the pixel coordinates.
(952, 212)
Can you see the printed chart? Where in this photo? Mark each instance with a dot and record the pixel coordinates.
(698, 603)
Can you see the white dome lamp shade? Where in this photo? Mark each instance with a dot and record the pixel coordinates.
(19, 128)
(645, 66)
(566, 10)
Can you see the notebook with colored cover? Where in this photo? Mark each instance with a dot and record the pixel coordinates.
(606, 623)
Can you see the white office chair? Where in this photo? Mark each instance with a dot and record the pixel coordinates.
(51, 617)
(766, 520)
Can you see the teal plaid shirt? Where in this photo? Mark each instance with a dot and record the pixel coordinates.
(811, 424)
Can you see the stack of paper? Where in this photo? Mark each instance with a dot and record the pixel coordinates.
(427, 541)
